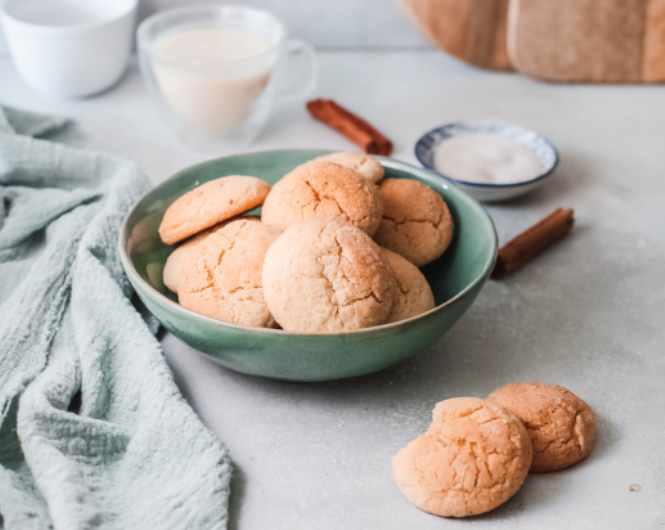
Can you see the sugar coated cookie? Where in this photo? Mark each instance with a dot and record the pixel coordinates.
(323, 189)
(222, 276)
(209, 204)
(177, 258)
(327, 276)
(414, 295)
(362, 163)
(474, 457)
(416, 222)
(562, 427)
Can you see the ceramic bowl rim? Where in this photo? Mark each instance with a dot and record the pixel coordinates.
(543, 176)
(132, 273)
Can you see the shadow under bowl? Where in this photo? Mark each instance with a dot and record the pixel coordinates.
(456, 279)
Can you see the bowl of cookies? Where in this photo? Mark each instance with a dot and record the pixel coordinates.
(307, 265)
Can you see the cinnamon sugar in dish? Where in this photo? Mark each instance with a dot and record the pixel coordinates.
(486, 159)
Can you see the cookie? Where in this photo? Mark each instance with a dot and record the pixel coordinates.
(474, 457)
(209, 204)
(327, 276)
(562, 427)
(177, 258)
(222, 276)
(414, 295)
(416, 221)
(323, 189)
(361, 163)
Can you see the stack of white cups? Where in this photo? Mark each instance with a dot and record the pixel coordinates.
(69, 48)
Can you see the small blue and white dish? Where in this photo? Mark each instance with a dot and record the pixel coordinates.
(544, 150)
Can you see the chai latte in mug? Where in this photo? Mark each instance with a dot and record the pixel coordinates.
(213, 77)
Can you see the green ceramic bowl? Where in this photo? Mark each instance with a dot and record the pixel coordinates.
(456, 279)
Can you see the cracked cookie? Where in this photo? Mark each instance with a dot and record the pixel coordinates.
(323, 189)
(414, 295)
(474, 457)
(176, 260)
(416, 222)
(222, 276)
(562, 427)
(327, 276)
(361, 163)
(209, 204)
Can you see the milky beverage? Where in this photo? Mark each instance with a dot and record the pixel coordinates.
(212, 78)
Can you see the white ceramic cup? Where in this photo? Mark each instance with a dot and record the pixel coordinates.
(69, 48)
(211, 99)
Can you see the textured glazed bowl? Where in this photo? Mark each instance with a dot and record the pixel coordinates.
(544, 150)
(456, 279)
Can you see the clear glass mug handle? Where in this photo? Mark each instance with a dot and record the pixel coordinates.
(296, 51)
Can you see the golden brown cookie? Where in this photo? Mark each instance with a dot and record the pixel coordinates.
(416, 222)
(474, 457)
(222, 276)
(562, 427)
(323, 189)
(178, 257)
(327, 276)
(361, 163)
(176, 260)
(414, 295)
(209, 204)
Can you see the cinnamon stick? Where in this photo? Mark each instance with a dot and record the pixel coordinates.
(533, 241)
(351, 126)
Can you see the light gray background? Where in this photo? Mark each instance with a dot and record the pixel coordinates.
(588, 315)
(327, 24)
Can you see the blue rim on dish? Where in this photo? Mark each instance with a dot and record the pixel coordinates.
(543, 148)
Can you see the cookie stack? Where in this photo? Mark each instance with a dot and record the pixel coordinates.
(336, 249)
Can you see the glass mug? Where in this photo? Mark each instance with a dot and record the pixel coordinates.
(212, 71)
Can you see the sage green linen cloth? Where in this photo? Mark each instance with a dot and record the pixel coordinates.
(93, 430)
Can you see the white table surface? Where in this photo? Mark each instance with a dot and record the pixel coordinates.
(588, 315)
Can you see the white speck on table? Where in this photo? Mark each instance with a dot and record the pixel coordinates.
(589, 314)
